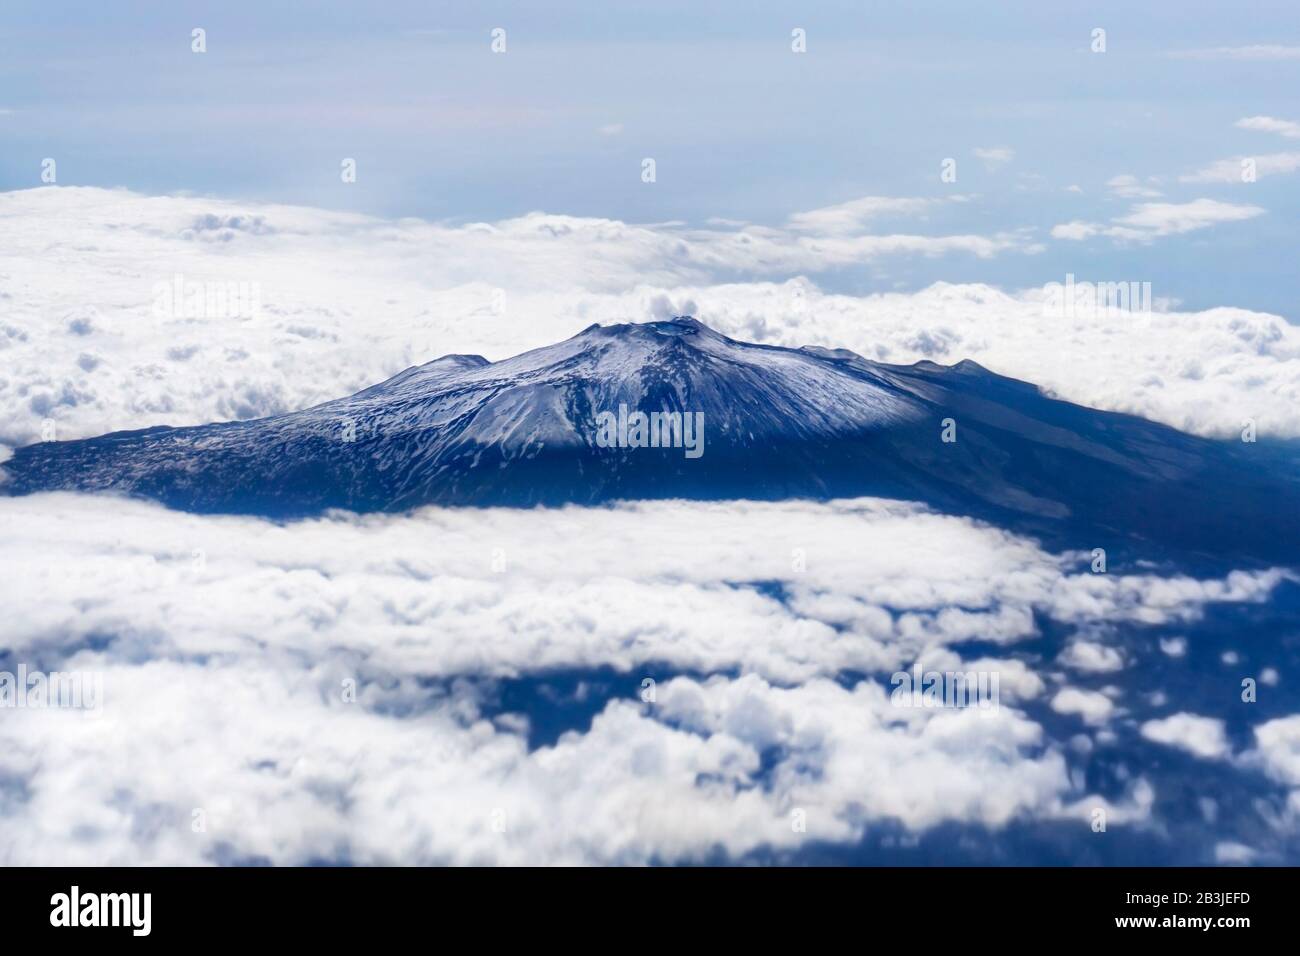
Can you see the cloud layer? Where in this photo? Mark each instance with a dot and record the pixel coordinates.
(227, 646)
(94, 339)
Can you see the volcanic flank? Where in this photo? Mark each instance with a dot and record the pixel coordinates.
(605, 415)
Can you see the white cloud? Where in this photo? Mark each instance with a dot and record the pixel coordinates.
(1092, 707)
(224, 643)
(1076, 230)
(994, 157)
(1202, 372)
(1174, 646)
(1277, 749)
(347, 301)
(284, 773)
(1091, 657)
(1152, 220)
(1130, 187)
(850, 217)
(1268, 124)
(1230, 853)
(884, 582)
(1231, 170)
(1202, 737)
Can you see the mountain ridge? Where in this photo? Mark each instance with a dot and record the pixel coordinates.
(778, 422)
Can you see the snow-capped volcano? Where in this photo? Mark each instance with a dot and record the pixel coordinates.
(562, 424)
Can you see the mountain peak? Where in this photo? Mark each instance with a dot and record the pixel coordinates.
(770, 422)
(678, 325)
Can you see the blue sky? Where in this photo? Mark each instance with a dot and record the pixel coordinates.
(740, 127)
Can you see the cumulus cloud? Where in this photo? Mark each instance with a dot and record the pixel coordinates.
(1076, 230)
(1091, 657)
(344, 301)
(280, 772)
(1203, 737)
(1233, 170)
(854, 216)
(1231, 853)
(292, 306)
(1129, 187)
(224, 645)
(869, 585)
(1203, 372)
(1268, 124)
(1277, 749)
(1093, 707)
(1153, 220)
(1174, 646)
